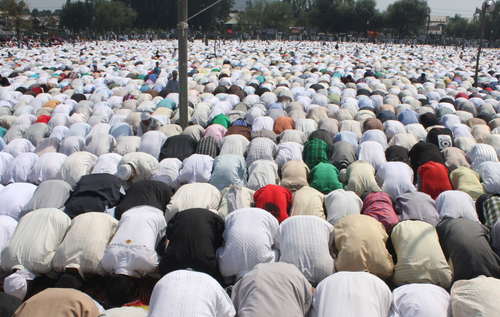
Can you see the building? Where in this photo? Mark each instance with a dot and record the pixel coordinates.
(437, 23)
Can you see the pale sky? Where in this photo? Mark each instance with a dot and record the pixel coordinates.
(439, 7)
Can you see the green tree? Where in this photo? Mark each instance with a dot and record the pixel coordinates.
(163, 13)
(456, 27)
(407, 17)
(299, 7)
(278, 15)
(14, 11)
(262, 14)
(76, 16)
(253, 17)
(36, 13)
(334, 16)
(364, 16)
(113, 15)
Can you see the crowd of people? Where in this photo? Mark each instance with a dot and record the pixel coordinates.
(333, 180)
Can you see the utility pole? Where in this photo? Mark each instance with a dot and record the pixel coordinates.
(182, 28)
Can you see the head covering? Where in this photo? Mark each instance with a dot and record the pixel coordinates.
(124, 172)
(16, 284)
(145, 116)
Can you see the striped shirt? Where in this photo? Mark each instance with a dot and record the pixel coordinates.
(379, 206)
(306, 241)
(188, 293)
(420, 257)
(208, 146)
(261, 149)
(491, 210)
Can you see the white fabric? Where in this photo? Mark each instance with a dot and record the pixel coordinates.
(5, 159)
(249, 239)
(125, 312)
(372, 152)
(167, 171)
(310, 253)
(193, 195)
(72, 144)
(127, 144)
(100, 144)
(46, 167)
(19, 168)
(143, 163)
(288, 151)
(262, 173)
(14, 197)
(151, 142)
(188, 293)
(490, 176)
(395, 178)
(340, 203)
(17, 284)
(196, 169)
(84, 244)
(235, 197)
(75, 166)
(107, 163)
(480, 153)
(234, 144)
(18, 146)
(420, 300)
(35, 241)
(351, 294)
(7, 227)
(476, 297)
(132, 252)
(456, 204)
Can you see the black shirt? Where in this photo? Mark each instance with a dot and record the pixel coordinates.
(194, 236)
(466, 245)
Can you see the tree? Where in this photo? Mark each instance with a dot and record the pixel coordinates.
(364, 15)
(36, 13)
(114, 15)
(344, 16)
(14, 10)
(253, 16)
(278, 15)
(262, 14)
(163, 13)
(76, 16)
(300, 6)
(408, 17)
(456, 27)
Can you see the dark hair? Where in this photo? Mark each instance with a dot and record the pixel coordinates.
(118, 290)
(68, 280)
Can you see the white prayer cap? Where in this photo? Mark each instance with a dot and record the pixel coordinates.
(124, 172)
(145, 116)
(16, 284)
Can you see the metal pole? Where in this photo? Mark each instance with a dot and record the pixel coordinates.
(483, 16)
(182, 27)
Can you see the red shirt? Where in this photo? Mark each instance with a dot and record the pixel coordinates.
(434, 178)
(275, 199)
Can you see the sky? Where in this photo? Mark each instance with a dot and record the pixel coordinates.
(438, 7)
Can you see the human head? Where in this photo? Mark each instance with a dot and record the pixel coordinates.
(126, 172)
(146, 118)
(118, 289)
(174, 75)
(68, 280)
(16, 284)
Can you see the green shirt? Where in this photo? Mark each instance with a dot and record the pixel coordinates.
(315, 152)
(324, 177)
